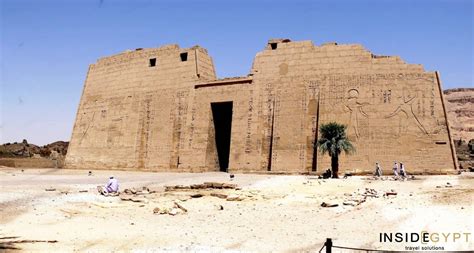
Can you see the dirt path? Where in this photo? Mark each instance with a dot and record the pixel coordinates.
(277, 213)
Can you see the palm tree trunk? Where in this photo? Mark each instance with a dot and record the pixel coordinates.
(335, 166)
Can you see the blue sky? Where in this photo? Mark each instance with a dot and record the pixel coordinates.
(46, 46)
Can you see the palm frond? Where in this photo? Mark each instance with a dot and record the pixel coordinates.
(333, 139)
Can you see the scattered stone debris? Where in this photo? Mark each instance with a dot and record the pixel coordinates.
(196, 195)
(178, 205)
(359, 197)
(173, 211)
(144, 191)
(133, 199)
(220, 207)
(130, 191)
(219, 195)
(81, 191)
(390, 194)
(205, 185)
(176, 209)
(158, 210)
(324, 204)
(350, 203)
(50, 189)
(234, 197)
(369, 192)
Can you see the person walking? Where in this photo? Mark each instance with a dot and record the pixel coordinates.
(403, 173)
(395, 169)
(378, 170)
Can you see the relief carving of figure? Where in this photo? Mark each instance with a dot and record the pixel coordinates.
(406, 108)
(356, 110)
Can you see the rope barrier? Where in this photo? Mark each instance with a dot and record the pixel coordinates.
(341, 247)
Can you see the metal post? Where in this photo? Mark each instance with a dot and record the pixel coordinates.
(328, 245)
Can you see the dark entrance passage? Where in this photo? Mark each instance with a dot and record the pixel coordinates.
(222, 117)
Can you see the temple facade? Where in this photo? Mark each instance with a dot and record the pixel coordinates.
(163, 109)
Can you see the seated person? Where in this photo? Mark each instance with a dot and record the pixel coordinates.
(112, 187)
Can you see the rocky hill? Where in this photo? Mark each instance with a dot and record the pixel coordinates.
(460, 109)
(24, 149)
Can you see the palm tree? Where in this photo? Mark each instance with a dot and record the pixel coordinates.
(333, 140)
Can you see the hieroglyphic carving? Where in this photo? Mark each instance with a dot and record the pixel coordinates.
(387, 96)
(178, 117)
(406, 107)
(315, 92)
(301, 155)
(182, 112)
(248, 137)
(192, 126)
(432, 101)
(88, 123)
(275, 136)
(356, 109)
(144, 133)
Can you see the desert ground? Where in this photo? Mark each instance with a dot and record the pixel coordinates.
(58, 210)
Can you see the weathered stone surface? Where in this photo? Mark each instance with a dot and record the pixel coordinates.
(196, 195)
(134, 115)
(132, 198)
(460, 109)
(219, 195)
(180, 206)
(234, 198)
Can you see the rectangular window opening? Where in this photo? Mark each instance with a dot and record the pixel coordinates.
(152, 62)
(184, 56)
(273, 46)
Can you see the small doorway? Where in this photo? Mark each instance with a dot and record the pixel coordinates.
(222, 117)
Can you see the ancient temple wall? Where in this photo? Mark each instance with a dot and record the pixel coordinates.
(200, 143)
(393, 110)
(136, 116)
(130, 110)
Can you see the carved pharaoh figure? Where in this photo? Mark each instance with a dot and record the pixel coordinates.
(406, 108)
(355, 109)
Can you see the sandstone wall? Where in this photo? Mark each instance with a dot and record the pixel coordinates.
(131, 114)
(160, 118)
(393, 110)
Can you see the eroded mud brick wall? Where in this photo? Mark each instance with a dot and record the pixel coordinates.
(136, 116)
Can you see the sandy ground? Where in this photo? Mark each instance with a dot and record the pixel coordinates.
(277, 213)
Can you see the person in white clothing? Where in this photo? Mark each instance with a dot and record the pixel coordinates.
(111, 188)
(378, 170)
(395, 169)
